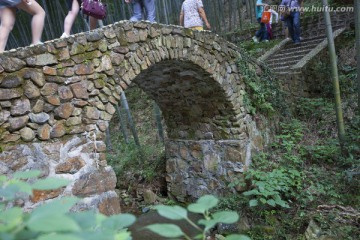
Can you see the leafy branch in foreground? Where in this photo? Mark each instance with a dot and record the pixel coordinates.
(201, 206)
(52, 220)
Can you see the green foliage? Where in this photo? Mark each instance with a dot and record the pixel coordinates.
(271, 188)
(203, 206)
(52, 220)
(263, 92)
(258, 49)
(126, 157)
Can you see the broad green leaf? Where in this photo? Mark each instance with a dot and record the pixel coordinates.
(172, 212)
(47, 216)
(118, 222)
(50, 183)
(86, 220)
(203, 204)
(57, 206)
(253, 203)
(58, 236)
(96, 235)
(226, 217)
(6, 236)
(100, 218)
(27, 174)
(54, 223)
(200, 236)
(124, 235)
(9, 192)
(271, 202)
(263, 200)
(237, 237)
(2, 179)
(24, 187)
(251, 192)
(208, 223)
(10, 219)
(166, 230)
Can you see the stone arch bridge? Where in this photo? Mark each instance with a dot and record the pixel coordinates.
(57, 99)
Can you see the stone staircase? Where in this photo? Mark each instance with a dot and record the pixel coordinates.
(282, 61)
(291, 58)
(287, 60)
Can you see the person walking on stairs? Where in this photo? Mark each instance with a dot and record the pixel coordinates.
(261, 34)
(273, 13)
(293, 20)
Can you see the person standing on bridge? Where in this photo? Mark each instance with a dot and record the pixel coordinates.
(138, 6)
(8, 16)
(74, 8)
(193, 15)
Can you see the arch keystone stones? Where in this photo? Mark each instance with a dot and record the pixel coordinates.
(67, 89)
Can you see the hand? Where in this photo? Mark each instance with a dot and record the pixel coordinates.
(208, 25)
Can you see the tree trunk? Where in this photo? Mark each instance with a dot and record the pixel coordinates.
(335, 77)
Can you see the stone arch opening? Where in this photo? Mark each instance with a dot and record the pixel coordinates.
(202, 146)
(194, 105)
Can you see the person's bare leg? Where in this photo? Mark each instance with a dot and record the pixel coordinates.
(70, 17)
(93, 22)
(7, 17)
(37, 22)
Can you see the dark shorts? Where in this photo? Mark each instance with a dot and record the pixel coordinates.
(9, 3)
(69, 3)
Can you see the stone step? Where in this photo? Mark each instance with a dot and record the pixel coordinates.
(304, 44)
(288, 56)
(283, 63)
(281, 68)
(314, 30)
(302, 50)
(282, 73)
(291, 53)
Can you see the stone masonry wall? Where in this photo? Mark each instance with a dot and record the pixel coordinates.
(56, 100)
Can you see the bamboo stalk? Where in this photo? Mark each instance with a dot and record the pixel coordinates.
(130, 120)
(357, 32)
(122, 125)
(108, 140)
(157, 113)
(335, 76)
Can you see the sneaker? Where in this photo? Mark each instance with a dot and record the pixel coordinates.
(255, 39)
(64, 35)
(38, 43)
